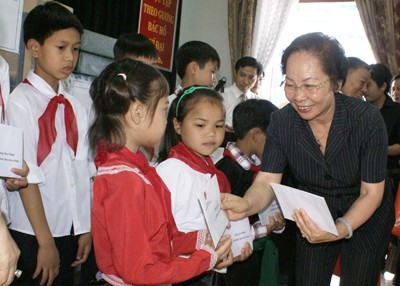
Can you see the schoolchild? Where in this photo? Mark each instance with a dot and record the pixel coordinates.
(50, 221)
(196, 64)
(195, 129)
(135, 236)
(240, 163)
(135, 46)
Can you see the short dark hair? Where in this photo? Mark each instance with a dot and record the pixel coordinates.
(195, 51)
(329, 51)
(381, 74)
(43, 20)
(248, 62)
(354, 63)
(250, 114)
(113, 91)
(134, 44)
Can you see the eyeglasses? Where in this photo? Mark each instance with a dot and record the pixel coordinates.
(304, 88)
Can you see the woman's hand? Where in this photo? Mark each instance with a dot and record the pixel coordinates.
(310, 230)
(277, 222)
(236, 207)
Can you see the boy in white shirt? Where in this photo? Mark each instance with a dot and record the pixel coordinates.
(50, 221)
(4, 87)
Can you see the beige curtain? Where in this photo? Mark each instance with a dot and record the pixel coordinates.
(381, 21)
(241, 15)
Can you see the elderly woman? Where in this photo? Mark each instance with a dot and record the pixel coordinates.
(336, 147)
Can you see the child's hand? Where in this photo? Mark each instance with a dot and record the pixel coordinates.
(223, 248)
(48, 262)
(227, 261)
(84, 247)
(15, 184)
(245, 253)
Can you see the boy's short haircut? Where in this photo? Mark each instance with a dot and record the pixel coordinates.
(251, 114)
(249, 62)
(136, 45)
(195, 51)
(43, 20)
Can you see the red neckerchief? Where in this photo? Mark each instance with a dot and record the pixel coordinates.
(47, 128)
(140, 161)
(253, 167)
(206, 166)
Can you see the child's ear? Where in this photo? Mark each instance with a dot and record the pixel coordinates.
(33, 47)
(136, 112)
(177, 126)
(192, 67)
(255, 133)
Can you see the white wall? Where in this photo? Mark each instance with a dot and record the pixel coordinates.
(207, 21)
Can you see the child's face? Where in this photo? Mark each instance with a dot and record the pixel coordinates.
(155, 129)
(207, 75)
(202, 130)
(57, 57)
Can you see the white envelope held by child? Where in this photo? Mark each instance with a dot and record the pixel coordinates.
(315, 206)
(210, 202)
(241, 233)
(11, 149)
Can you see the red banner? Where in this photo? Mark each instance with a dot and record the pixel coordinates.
(158, 23)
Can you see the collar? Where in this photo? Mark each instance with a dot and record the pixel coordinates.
(43, 87)
(243, 160)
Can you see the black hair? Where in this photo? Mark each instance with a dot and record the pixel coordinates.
(249, 62)
(396, 77)
(113, 91)
(43, 20)
(187, 99)
(381, 74)
(250, 114)
(195, 51)
(136, 45)
(329, 51)
(354, 63)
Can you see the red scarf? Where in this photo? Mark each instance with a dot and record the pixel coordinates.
(47, 128)
(139, 160)
(206, 166)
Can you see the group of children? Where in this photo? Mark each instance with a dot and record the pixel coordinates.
(146, 223)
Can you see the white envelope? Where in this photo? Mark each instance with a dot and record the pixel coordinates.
(315, 206)
(210, 202)
(10, 150)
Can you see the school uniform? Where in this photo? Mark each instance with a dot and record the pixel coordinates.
(186, 174)
(134, 233)
(62, 170)
(356, 151)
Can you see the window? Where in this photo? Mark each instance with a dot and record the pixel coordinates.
(338, 19)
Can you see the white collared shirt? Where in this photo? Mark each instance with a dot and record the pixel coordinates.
(64, 177)
(231, 96)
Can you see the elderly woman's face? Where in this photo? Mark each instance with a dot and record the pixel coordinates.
(308, 88)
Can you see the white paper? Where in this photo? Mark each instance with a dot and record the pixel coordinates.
(10, 150)
(240, 232)
(270, 210)
(10, 24)
(315, 206)
(210, 201)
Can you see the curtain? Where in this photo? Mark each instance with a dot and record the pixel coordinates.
(240, 28)
(270, 20)
(381, 21)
